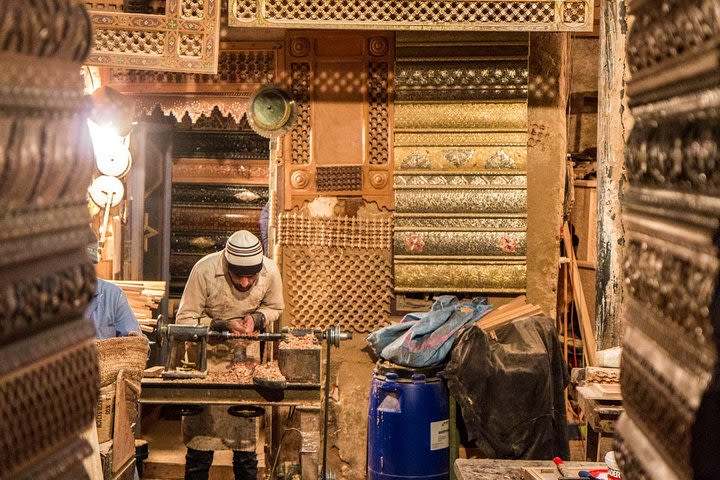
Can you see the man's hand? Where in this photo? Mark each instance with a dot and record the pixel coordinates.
(242, 327)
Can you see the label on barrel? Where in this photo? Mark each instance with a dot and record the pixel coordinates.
(439, 435)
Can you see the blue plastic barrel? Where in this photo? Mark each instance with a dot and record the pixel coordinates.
(408, 426)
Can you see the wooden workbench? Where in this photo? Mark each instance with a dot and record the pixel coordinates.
(602, 406)
(476, 469)
(175, 392)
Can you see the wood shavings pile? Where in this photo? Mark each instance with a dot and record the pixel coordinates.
(268, 371)
(308, 341)
(241, 372)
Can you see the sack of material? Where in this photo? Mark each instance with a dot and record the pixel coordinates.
(424, 339)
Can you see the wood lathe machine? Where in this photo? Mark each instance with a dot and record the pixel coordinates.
(187, 385)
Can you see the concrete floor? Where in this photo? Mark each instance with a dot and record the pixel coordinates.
(166, 460)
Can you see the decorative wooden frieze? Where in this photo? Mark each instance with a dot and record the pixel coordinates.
(226, 145)
(528, 15)
(449, 116)
(460, 200)
(446, 222)
(199, 219)
(218, 170)
(190, 108)
(448, 274)
(184, 39)
(457, 243)
(458, 81)
(224, 196)
(457, 158)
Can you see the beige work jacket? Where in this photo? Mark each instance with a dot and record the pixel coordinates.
(209, 294)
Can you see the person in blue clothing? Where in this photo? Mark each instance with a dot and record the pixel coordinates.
(109, 309)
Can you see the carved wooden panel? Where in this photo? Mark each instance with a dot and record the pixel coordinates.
(184, 39)
(460, 171)
(544, 15)
(188, 97)
(337, 271)
(671, 211)
(338, 178)
(48, 373)
(342, 84)
(241, 65)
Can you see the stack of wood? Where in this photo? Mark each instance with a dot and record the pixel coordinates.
(517, 308)
(143, 296)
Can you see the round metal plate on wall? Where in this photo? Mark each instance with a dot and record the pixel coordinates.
(272, 112)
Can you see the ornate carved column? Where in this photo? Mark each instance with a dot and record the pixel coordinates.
(48, 372)
(671, 310)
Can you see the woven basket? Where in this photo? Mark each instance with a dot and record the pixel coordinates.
(122, 353)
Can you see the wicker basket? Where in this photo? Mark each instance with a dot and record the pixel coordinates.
(128, 354)
(122, 353)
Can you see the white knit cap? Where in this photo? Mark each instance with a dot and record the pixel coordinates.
(244, 253)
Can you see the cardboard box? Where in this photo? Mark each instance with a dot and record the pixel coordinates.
(105, 413)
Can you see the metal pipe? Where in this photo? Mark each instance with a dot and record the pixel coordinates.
(326, 419)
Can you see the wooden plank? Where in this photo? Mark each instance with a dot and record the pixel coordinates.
(586, 324)
(509, 316)
(123, 439)
(524, 311)
(515, 303)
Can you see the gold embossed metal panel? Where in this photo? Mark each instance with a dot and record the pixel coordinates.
(48, 372)
(184, 38)
(544, 15)
(461, 155)
(671, 211)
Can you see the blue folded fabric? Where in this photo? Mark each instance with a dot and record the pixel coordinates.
(424, 339)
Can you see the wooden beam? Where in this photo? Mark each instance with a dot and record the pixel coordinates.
(586, 323)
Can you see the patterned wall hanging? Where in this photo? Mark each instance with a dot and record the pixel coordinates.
(336, 271)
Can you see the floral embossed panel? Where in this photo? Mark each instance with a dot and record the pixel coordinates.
(524, 15)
